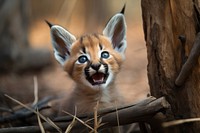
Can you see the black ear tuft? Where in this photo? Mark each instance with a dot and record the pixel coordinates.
(49, 24)
(123, 9)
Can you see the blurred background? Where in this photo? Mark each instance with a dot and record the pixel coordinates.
(26, 50)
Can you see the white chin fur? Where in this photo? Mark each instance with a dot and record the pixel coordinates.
(108, 81)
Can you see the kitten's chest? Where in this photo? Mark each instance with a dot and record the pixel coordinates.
(89, 103)
(92, 106)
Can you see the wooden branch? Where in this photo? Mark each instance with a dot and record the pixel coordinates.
(140, 112)
(25, 113)
(190, 63)
(182, 38)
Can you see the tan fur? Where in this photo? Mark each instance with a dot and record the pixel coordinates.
(84, 97)
(93, 62)
(85, 101)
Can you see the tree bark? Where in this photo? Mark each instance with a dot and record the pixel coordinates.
(170, 28)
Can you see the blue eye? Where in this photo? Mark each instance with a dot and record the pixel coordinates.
(82, 59)
(105, 55)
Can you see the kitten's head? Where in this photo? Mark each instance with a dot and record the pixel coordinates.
(92, 60)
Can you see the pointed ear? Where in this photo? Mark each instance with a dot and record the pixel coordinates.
(115, 30)
(62, 41)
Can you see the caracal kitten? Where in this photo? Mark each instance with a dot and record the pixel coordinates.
(92, 61)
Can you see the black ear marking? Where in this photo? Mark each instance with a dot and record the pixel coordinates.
(123, 9)
(49, 24)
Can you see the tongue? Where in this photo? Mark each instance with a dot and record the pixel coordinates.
(98, 77)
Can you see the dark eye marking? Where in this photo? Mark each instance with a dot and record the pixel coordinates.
(100, 46)
(83, 49)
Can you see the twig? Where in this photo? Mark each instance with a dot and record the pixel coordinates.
(141, 112)
(190, 63)
(40, 123)
(178, 122)
(95, 117)
(35, 90)
(81, 121)
(69, 127)
(119, 130)
(40, 115)
(25, 113)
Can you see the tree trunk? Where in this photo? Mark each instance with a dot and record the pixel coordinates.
(171, 28)
(15, 51)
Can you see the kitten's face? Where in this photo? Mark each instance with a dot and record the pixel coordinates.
(93, 62)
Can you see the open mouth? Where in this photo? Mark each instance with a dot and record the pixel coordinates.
(97, 78)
